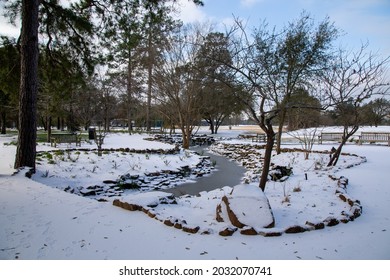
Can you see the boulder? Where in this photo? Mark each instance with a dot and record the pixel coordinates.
(248, 206)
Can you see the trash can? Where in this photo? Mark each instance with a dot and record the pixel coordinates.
(91, 133)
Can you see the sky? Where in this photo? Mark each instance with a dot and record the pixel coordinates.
(360, 20)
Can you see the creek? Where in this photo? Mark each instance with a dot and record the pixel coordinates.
(226, 173)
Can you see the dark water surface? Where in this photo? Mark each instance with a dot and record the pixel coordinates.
(226, 173)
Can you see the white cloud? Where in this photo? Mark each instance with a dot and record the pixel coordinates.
(7, 29)
(189, 12)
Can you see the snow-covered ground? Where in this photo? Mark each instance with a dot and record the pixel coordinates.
(40, 221)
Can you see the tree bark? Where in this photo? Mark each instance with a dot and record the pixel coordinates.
(267, 157)
(129, 90)
(282, 117)
(150, 79)
(3, 123)
(26, 149)
(49, 119)
(335, 156)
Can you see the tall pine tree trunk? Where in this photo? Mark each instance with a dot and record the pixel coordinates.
(26, 149)
(150, 73)
(49, 119)
(3, 122)
(129, 90)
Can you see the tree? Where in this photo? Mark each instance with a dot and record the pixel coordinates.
(353, 80)
(292, 59)
(218, 91)
(9, 80)
(122, 38)
(306, 110)
(273, 65)
(176, 81)
(156, 24)
(134, 32)
(59, 26)
(26, 149)
(60, 98)
(306, 138)
(377, 111)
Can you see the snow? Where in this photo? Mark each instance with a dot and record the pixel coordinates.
(41, 221)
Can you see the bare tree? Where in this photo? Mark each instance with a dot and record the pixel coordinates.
(177, 83)
(352, 81)
(306, 138)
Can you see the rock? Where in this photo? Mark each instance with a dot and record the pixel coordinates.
(330, 222)
(280, 173)
(232, 216)
(86, 192)
(178, 225)
(191, 230)
(248, 206)
(342, 197)
(127, 206)
(129, 185)
(270, 233)
(295, 229)
(110, 182)
(316, 225)
(168, 223)
(218, 215)
(228, 231)
(249, 231)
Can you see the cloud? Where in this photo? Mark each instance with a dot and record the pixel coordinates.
(7, 29)
(189, 12)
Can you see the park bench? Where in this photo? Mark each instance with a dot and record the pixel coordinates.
(330, 136)
(258, 137)
(65, 138)
(374, 137)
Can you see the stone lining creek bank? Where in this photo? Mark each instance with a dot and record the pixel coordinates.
(148, 181)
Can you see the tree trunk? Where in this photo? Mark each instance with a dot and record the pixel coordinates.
(267, 158)
(48, 129)
(3, 123)
(150, 73)
(129, 89)
(212, 127)
(26, 149)
(335, 156)
(282, 117)
(186, 132)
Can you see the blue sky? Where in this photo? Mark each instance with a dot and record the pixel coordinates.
(360, 20)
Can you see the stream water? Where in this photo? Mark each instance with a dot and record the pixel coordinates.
(226, 173)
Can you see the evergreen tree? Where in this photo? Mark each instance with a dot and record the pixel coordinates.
(9, 80)
(59, 26)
